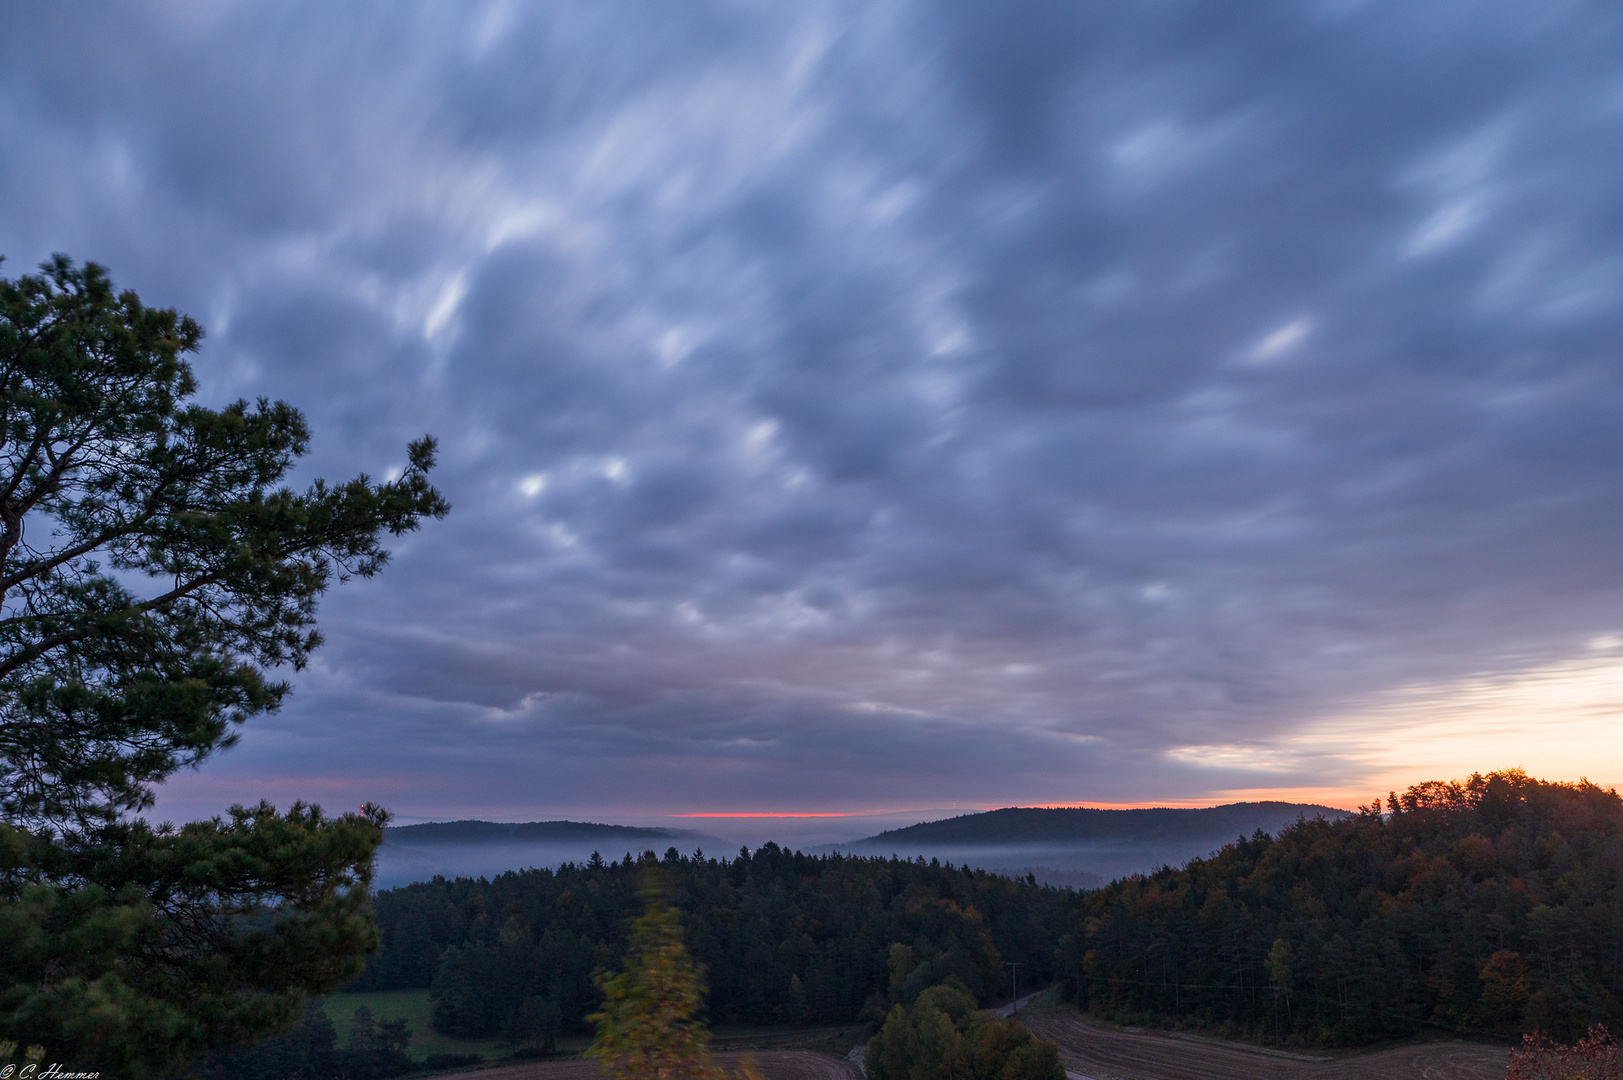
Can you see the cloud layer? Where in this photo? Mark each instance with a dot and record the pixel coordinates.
(870, 405)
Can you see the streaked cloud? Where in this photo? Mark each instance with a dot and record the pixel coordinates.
(1281, 342)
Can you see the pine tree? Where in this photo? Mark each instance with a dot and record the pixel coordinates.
(152, 571)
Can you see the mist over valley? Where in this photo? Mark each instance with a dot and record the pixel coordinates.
(474, 849)
(1076, 848)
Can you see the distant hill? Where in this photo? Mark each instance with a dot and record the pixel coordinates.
(474, 849)
(1037, 825)
(504, 832)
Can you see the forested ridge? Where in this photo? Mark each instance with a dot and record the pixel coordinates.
(785, 937)
(1492, 905)
(1040, 824)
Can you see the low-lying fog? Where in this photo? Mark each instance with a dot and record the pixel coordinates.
(401, 864)
(1075, 866)
(1082, 866)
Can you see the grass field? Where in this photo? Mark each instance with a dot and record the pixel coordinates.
(413, 1007)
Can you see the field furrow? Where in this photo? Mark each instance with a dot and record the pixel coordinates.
(1103, 1053)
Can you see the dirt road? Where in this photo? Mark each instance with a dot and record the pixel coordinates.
(1097, 1052)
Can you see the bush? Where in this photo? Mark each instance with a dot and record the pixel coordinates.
(1597, 1056)
(942, 1037)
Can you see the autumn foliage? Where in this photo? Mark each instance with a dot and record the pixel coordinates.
(1597, 1056)
(649, 1025)
(1492, 905)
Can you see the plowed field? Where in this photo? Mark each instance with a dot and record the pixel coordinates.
(1101, 1053)
(774, 1065)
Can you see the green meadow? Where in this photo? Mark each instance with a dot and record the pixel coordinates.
(413, 1006)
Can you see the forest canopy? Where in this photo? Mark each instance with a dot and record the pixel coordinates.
(786, 937)
(1491, 905)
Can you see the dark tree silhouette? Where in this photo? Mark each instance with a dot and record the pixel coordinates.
(152, 571)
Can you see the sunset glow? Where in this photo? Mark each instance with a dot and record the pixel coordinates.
(766, 814)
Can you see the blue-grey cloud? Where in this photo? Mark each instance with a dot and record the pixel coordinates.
(856, 404)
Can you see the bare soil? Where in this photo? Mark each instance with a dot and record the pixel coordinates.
(1099, 1052)
(774, 1065)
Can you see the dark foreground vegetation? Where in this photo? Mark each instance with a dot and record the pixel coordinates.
(155, 570)
(785, 937)
(1489, 906)
(311, 1051)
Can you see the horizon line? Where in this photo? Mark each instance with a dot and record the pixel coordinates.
(764, 814)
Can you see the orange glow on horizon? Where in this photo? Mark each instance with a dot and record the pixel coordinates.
(765, 815)
(1151, 804)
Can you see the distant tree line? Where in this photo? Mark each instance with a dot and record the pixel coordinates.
(1492, 905)
(785, 937)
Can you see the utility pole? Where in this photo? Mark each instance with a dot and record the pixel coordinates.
(1014, 970)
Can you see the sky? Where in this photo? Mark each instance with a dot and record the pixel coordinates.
(886, 409)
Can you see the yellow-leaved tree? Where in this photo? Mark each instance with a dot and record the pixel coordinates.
(649, 1025)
